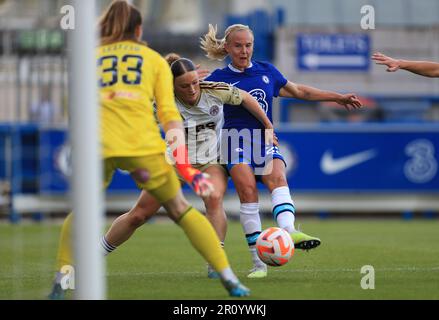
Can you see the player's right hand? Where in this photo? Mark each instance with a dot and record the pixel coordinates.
(201, 184)
(350, 101)
(271, 138)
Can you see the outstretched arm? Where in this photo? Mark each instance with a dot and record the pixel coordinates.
(300, 91)
(423, 68)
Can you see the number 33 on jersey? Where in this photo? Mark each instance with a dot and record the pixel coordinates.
(130, 76)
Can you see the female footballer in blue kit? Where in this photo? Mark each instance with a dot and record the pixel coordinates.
(263, 81)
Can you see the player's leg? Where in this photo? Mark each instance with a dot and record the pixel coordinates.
(214, 203)
(146, 206)
(245, 184)
(283, 205)
(64, 256)
(214, 207)
(124, 226)
(165, 187)
(205, 240)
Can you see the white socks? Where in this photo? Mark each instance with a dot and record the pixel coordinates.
(283, 208)
(250, 222)
(106, 248)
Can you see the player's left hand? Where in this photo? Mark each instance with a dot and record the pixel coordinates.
(382, 59)
(350, 101)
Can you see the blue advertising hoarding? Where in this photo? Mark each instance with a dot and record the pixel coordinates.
(55, 166)
(381, 160)
(4, 134)
(344, 160)
(333, 52)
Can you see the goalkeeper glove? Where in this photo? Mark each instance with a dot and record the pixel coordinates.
(198, 180)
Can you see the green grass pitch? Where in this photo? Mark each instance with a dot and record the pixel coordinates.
(159, 263)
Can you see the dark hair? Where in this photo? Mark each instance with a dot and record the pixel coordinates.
(179, 65)
(119, 22)
(172, 57)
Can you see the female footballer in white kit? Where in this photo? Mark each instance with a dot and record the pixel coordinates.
(201, 106)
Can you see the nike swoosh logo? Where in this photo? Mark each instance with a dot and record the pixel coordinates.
(330, 166)
(234, 84)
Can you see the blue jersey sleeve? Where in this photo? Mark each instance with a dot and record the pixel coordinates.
(214, 76)
(279, 80)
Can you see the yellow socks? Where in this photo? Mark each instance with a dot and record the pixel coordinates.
(204, 238)
(65, 257)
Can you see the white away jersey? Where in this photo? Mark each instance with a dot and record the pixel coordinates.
(204, 121)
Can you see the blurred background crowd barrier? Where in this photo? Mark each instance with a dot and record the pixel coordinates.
(392, 143)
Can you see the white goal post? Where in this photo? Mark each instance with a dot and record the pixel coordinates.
(87, 174)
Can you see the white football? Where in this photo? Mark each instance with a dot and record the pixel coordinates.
(275, 246)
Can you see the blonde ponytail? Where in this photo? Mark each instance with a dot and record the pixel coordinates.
(214, 47)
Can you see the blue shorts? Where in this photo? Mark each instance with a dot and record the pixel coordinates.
(256, 156)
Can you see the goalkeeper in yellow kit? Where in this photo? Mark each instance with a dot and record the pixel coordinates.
(131, 76)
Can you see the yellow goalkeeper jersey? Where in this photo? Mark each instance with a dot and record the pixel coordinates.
(131, 76)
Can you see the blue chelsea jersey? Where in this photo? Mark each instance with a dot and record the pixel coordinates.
(262, 80)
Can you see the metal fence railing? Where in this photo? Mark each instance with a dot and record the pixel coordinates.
(34, 89)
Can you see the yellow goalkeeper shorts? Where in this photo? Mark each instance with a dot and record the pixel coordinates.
(163, 183)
